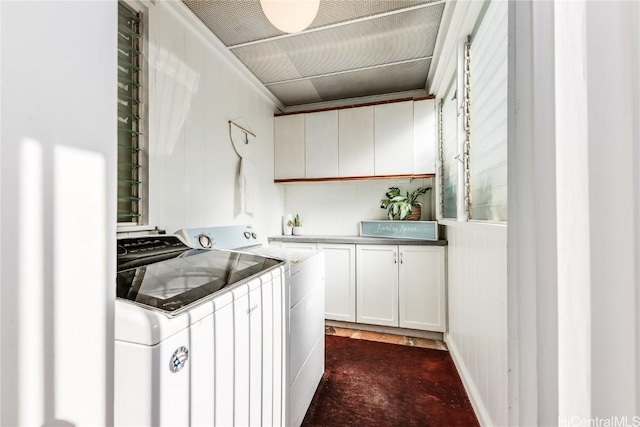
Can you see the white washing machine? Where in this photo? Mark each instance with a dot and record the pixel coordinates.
(304, 275)
(199, 336)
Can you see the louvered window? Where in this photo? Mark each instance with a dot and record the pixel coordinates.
(488, 99)
(449, 141)
(130, 123)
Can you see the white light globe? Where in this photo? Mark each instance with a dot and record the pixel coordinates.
(290, 16)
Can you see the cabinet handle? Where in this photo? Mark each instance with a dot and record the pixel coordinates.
(401, 257)
(395, 257)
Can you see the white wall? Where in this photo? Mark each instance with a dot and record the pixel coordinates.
(477, 334)
(195, 91)
(58, 174)
(477, 304)
(336, 208)
(574, 295)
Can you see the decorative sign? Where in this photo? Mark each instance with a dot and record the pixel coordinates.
(425, 230)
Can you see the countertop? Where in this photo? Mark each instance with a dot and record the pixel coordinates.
(358, 240)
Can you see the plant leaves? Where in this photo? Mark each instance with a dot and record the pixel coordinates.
(405, 210)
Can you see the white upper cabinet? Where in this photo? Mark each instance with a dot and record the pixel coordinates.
(289, 150)
(356, 153)
(321, 144)
(424, 136)
(394, 139)
(398, 138)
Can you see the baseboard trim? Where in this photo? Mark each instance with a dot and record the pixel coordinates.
(468, 383)
(438, 336)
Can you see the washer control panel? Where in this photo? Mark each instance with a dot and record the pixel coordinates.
(224, 237)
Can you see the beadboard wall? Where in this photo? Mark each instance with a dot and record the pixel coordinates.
(193, 167)
(337, 207)
(477, 302)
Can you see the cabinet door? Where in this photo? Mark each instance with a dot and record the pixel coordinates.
(356, 156)
(340, 282)
(424, 136)
(321, 144)
(394, 138)
(377, 284)
(289, 146)
(422, 288)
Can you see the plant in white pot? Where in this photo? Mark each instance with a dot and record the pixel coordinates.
(297, 226)
(403, 206)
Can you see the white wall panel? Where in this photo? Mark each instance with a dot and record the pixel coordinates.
(477, 302)
(58, 171)
(193, 166)
(194, 135)
(336, 208)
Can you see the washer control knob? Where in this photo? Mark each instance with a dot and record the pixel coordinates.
(205, 241)
(247, 235)
(254, 235)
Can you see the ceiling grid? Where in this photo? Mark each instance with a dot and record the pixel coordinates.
(353, 48)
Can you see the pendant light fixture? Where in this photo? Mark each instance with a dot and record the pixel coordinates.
(290, 16)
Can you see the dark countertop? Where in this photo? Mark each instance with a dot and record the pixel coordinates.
(358, 240)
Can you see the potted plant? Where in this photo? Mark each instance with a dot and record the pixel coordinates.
(297, 226)
(403, 206)
(287, 225)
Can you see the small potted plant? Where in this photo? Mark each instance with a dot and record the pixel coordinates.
(403, 206)
(287, 225)
(297, 226)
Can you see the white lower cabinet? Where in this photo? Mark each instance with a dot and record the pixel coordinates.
(389, 285)
(401, 286)
(340, 281)
(340, 277)
(377, 284)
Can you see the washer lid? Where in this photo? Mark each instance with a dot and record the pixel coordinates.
(173, 280)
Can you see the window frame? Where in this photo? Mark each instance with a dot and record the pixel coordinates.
(142, 220)
(464, 182)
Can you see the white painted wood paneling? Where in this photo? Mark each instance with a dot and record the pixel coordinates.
(356, 153)
(58, 172)
(321, 144)
(477, 297)
(336, 208)
(394, 138)
(195, 91)
(194, 136)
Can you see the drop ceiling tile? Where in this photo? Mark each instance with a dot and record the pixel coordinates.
(241, 21)
(234, 21)
(334, 11)
(402, 36)
(295, 93)
(269, 62)
(375, 81)
(369, 44)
